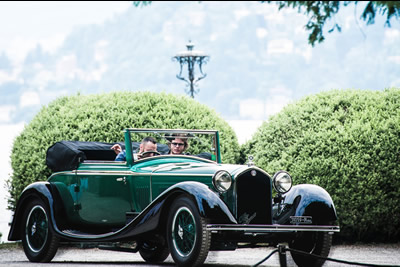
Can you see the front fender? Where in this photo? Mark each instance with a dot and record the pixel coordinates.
(308, 200)
(208, 202)
(210, 206)
(38, 189)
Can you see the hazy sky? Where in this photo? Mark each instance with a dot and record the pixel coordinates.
(25, 24)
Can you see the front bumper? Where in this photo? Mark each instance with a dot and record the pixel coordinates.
(255, 229)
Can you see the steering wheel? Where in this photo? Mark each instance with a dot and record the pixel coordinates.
(147, 154)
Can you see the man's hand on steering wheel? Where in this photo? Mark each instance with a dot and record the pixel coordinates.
(147, 154)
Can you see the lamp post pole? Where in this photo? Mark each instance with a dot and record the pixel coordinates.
(191, 58)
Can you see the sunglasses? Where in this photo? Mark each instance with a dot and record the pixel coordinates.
(178, 144)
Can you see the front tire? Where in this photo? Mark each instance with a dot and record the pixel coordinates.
(188, 239)
(317, 243)
(38, 239)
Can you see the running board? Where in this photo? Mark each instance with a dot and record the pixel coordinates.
(132, 249)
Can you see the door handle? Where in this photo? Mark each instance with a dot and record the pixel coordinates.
(121, 179)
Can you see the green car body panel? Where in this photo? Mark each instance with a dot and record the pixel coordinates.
(118, 188)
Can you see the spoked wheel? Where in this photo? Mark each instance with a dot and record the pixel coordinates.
(188, 239)
(38, 239)
(153, 252)
(317, 243)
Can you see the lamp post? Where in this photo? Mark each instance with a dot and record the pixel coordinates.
(191, 58)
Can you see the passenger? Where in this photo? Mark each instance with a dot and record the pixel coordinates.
(148, 144)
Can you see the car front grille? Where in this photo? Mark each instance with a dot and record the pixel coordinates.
(254, 204)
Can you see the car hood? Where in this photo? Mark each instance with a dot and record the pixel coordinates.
(160, 166)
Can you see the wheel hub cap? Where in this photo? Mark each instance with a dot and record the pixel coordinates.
(180, 231)
(33, 230)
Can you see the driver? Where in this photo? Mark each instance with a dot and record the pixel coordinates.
(177, 144)
(148, 144)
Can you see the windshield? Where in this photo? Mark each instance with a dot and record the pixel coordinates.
(153, 142)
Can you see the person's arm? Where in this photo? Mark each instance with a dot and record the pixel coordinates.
(117, 148)
(121, 156)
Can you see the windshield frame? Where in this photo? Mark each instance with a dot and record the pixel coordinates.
(162, 132)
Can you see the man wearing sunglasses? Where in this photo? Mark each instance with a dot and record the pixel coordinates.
(177, 144)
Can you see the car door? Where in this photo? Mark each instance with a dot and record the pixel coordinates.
(103, 199)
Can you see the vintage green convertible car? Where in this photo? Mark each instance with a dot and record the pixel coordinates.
(183, 205)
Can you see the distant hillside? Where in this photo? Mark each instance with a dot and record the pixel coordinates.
(256, 54)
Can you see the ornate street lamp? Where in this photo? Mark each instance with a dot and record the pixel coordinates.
(191, 58)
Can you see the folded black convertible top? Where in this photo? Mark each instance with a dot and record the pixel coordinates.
(66, 155)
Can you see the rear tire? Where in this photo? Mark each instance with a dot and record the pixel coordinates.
(38, 239)
(153, 253)
(187, 236)
(317, 243)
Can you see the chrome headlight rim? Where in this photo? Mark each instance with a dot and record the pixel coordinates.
(278, 182)
(222, 181)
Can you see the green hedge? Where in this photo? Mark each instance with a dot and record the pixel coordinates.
(348, 142)
(102, 118)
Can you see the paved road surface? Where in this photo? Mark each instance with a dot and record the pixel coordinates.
(385, 255)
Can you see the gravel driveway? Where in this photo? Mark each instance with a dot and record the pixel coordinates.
(385, 255)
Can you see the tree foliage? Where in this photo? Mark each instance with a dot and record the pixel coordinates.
(319, 12)
(141, 3)
(348, 143)
(102, 118)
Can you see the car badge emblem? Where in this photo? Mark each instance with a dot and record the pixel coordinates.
(250, 162)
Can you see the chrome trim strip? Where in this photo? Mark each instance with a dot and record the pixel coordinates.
(178, 174)
(130, 173)
(97, 172)
(102, 162)
(272, 228)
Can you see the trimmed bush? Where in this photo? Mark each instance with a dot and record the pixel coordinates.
(102, 118)
(348, 142)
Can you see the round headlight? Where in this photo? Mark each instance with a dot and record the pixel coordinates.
(222, 181)
(282, 182)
